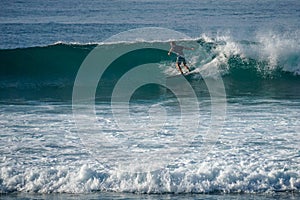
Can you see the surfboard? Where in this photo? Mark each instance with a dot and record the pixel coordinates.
(192, 70)
(187, 74)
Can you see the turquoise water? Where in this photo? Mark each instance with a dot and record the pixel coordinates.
(74, 126)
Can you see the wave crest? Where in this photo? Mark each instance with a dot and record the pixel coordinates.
(54, 67)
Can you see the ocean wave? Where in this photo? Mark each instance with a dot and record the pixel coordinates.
(209, 178)
(269, 58)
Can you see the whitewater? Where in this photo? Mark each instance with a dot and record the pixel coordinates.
(248, 157)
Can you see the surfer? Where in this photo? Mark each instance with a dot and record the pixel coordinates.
(180, 56)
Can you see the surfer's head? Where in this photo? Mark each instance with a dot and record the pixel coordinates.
(172, 43)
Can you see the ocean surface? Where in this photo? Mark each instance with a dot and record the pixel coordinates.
(92, 106)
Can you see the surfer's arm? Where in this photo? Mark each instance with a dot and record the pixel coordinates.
(169, 53)
(187, 48)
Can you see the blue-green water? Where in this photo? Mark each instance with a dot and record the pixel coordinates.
(54, 144)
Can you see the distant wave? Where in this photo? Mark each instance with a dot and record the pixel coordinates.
(50, 71)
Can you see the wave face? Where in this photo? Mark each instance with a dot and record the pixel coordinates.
(268, 66)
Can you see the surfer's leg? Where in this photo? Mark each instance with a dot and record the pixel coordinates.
(187, 67)
(178, 63)
(179, 68)
(184, 64)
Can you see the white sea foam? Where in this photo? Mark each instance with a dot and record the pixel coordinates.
(256, 153)
(280, 50)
